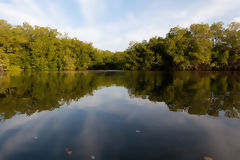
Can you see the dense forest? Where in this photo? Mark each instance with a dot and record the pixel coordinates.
(198, 47)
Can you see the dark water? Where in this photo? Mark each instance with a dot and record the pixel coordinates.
(120, 116)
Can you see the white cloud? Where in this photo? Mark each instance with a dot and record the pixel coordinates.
(26, 10)
(237, 19)
(91, 9)
(88, 9)
(129, 25)
(145, 33)
(214, 9)
(88, 34)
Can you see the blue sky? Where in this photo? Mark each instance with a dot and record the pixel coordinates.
(112, 24)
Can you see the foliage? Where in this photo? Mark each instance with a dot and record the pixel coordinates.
(198, 47)
(42, 48)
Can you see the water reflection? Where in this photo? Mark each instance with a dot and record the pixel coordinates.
(197, 93)
(120, 115)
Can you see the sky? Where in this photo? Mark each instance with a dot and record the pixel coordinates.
(112, 24)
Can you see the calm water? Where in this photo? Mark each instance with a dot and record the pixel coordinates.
(120, 116)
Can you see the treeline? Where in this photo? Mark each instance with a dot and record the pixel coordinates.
(198, 47)
(42, 48)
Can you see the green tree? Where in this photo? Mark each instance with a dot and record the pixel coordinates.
(178, 46)
(232, 37)
(200, 45)
(140, 57)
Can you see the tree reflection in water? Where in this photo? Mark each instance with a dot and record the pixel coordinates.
(200, 93)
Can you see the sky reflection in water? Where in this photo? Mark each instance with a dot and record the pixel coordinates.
(117, 121)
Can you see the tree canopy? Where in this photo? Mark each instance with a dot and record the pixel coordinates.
(198, 47)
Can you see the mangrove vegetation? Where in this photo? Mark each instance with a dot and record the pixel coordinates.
(198, 47)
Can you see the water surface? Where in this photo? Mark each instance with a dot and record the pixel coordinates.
(120, 115)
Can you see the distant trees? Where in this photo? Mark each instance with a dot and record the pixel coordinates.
(140, 56)
(42, 48)
(199, 47)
